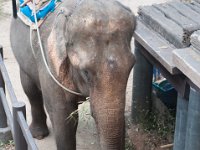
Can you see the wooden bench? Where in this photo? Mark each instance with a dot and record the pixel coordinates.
(188, 62)
(167, 37)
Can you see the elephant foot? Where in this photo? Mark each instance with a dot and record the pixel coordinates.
(39, 131)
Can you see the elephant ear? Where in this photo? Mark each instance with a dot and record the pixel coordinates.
(56, 42)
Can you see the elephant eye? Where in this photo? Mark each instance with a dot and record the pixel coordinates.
(69, 44)
(86, 72)
(86, 75)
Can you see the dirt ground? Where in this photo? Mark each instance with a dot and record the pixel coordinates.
(86, 134)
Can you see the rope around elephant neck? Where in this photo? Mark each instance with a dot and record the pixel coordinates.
(43, 56)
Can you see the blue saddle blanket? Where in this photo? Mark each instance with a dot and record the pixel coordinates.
(41, 13)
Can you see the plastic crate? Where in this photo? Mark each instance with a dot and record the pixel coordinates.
(166, 93)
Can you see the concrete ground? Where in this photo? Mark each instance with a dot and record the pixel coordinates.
(86, 134)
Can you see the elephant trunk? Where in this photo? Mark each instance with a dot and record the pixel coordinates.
(110, 120)
(111, 130)
(108, 100)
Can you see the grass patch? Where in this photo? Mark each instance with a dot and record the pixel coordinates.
(84, 115)
(163, 125)
(129, 145)
(7, 146)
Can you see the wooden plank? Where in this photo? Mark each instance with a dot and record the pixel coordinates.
(177, 17)
(188, 61)
(188, 25)
(185, 10)
(158, 47)
(194, 6)
(163, 25)
(195, 40)
(179, 81)
(198, 1)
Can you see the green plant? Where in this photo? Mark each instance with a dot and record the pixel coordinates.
(7, 146)
(129, 145)
(83, 113)
(163, 125)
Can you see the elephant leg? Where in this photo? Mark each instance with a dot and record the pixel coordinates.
(38, 126)
(64, 119)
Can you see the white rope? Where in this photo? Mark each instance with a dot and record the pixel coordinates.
(43, 57)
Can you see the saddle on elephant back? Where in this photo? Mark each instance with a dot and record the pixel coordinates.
(41, 7)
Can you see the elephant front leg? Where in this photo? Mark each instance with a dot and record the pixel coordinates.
(38, 126)
(65, 123)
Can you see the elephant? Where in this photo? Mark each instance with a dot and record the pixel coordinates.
(86, 45)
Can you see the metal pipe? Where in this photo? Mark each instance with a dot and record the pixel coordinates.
(6, 108)
(20, 142)
(7, 81)
(2, 83)
(3, 120)
(26, 132)
(14, 8)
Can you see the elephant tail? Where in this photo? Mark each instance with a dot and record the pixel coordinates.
(14, 7)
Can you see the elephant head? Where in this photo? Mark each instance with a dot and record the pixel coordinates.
(90, 45)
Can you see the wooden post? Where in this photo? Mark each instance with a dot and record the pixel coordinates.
(181, 122)
(142, 86)
(193, 122)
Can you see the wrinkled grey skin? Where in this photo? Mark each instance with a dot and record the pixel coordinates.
(87, 48)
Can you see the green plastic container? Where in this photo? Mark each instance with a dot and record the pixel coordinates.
(166, 92)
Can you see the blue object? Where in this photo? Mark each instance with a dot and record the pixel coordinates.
(156, 74)
(40, 14)
(166, 92)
